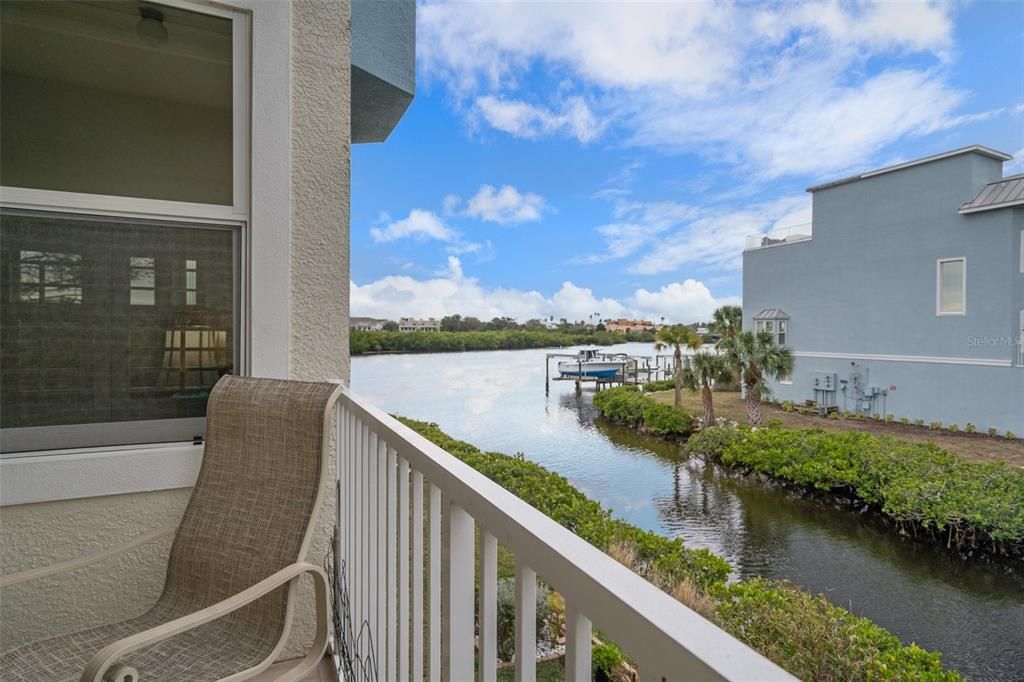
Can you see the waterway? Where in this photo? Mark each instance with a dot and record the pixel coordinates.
(972, 611)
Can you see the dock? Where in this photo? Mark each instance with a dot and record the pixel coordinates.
(635, 370)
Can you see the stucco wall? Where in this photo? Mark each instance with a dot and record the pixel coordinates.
(33, 535)
(318, 342)
(865, 285)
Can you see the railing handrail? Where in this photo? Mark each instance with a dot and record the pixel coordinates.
(649, 624)
(787, 234)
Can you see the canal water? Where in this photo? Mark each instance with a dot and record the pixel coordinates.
(971, 611)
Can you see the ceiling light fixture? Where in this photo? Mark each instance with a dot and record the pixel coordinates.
(151, 27)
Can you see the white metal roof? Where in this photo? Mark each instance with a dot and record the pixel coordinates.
(974, 148)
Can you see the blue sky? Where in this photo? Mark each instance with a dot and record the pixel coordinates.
(574, 158)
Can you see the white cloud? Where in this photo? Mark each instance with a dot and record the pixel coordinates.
(670, 234)
(505, 205)
(781, 90)
(419, 224)
(450, 292)
(1016, 165)
(450, 204)
(521, 119)
(687, 301)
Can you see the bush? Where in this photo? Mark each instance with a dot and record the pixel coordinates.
(816, 640)
(918, 422)
(935, 426)
(506, 628)
(626, 405)
(661, 385)
(905, 421)
(666, 421)
(911, 482)
(443, 342)
(713, 441)
(890, 418)
(970, 428)
(605, 657)
(801, 632)
(993, 431)
(953, 428)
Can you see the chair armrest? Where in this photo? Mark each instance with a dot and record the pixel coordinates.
(109, 655)
(72, 564)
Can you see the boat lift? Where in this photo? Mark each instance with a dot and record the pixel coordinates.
(635, 369)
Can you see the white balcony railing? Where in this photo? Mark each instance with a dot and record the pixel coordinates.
(782, 235)
(409, 514)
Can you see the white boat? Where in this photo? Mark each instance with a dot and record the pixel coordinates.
(590, 366)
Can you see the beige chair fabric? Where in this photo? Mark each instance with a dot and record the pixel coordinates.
(251, 514)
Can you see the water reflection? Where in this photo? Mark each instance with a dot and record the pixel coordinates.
(971, 611)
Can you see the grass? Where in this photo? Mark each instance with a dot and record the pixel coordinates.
(975, 447)
(547, 671)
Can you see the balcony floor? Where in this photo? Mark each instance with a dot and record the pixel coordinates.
(325, 672)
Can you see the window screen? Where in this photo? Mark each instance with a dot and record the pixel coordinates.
(108, 326)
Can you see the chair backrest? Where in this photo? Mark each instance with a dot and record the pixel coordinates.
(253, 508)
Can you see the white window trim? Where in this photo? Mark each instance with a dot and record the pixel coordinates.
(237, 214)
(266, 252)
(938, 287)
(1022, 252)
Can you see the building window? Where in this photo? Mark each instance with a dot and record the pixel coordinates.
(49, 277)
(951, 286)
(191, 290)
(143, 281)
(98, 348)
(113, 329)
(779, 329)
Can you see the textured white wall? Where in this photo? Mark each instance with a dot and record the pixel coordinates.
(321, 128)
(33, 535)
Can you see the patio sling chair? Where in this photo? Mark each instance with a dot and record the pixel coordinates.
(236, 559)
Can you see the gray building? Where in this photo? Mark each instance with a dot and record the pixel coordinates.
(907, 297)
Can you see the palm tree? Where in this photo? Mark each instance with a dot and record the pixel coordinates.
(755, 357)
(727, 322)
(676, 337)
(703, 370)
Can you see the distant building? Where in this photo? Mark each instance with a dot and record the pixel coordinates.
(408, 324)
(624, 326)
(367, 324)
(907, 297)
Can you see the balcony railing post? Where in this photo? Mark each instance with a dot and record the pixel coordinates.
(488, 619)
(577, 645)
(526, 623)
(459, 583)
(435, 584)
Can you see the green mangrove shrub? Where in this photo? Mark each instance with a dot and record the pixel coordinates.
(626, 405)
(971, 503)
(443, 342)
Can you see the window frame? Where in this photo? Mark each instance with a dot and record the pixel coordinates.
(939, 312)
(176, 213)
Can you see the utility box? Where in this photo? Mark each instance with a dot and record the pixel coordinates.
(824, 381)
